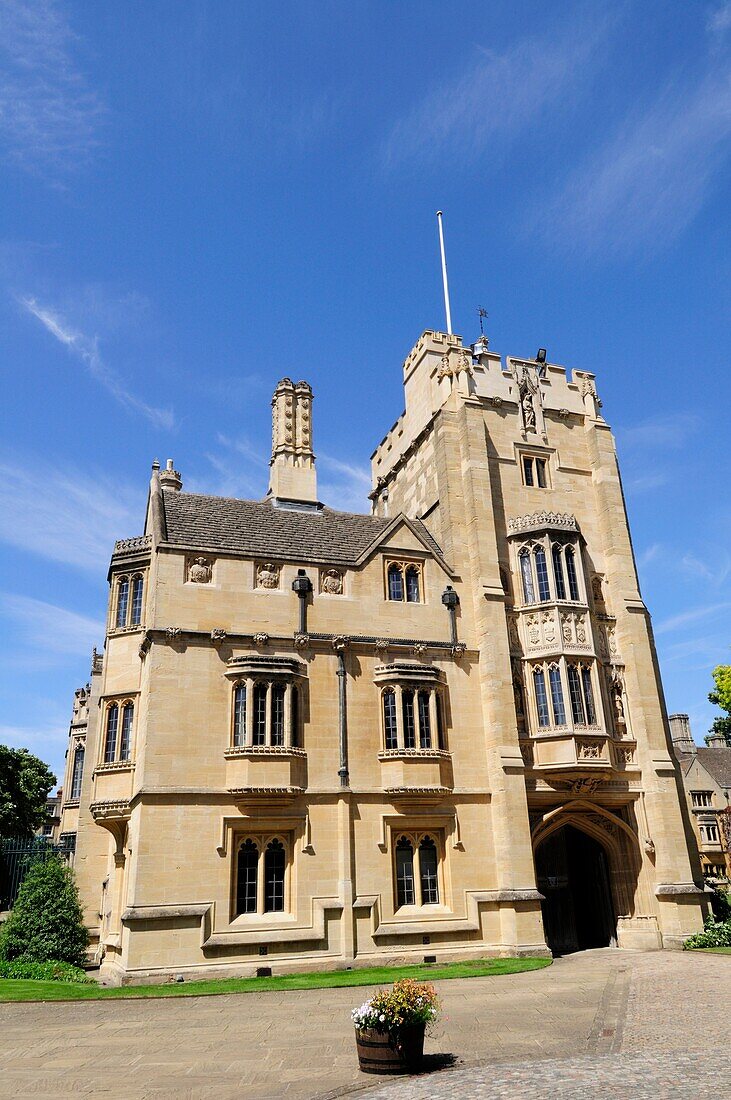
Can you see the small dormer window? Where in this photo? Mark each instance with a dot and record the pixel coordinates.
(404, 582)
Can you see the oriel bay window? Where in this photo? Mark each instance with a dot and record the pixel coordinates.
(128, 601)
(554, 682)
(77, 773)
(416, 870)
(118, 732)
(266, 713)
(261, 875)
(412, 717)
(537, 583)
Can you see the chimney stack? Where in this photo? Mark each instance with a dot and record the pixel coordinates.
(292, 477)
(170, 478)
(680, 732)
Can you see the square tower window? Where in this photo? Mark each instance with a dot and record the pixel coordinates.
(535, 471)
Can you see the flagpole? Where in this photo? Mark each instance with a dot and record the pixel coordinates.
(444, 273)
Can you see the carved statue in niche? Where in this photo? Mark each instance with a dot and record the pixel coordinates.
(267, 576)
(618, 704)
(332, 582)
(513, 632)
(200, 571)
(529, 411)
(596, 588)
(612, 641)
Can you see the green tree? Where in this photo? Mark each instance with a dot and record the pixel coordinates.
(46, 923)
(25, 783)
(722, 698)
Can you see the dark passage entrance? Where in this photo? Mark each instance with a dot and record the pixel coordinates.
(573, 876)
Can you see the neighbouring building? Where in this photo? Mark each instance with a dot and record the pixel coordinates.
(50, 826)
(706, 772)
(85, 713)
(324, 739)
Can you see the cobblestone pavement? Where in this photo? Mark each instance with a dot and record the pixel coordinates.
(610, 1022)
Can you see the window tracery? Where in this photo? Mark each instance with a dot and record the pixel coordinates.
(128, 600)
(261, 874)
(417, 860)
(404, 581)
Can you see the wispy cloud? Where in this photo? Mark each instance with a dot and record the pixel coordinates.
(670, 431)
(644, 185)
(719, 20)
(64, 515)
(645, 483)
(49, 114)
(47, 628)
(86, 349)
(692, 616)
(713, 568)
(495, 96)
(649, 554)
(344, 486)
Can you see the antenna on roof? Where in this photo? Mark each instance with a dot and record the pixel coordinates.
(481, 313)
(444, 274)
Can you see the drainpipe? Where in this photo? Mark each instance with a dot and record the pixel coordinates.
(340, 645)
(302, 586)
(450, 599)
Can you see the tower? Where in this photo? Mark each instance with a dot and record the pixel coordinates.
(292, 478)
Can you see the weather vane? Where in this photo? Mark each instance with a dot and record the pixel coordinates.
(481, 313)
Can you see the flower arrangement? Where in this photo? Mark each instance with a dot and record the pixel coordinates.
(408, 1004)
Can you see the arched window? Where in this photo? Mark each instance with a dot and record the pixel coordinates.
(246, 878)
(559, 711)
(395, 582)
(295, 717)
(125, 741)
(137, 588)
(122, 601)
(577, 702)
(239, 716)
(110, 740)
(404, 872)
(260, 714)
(407, 700)
(390, 728)
(77, 773)
(440, 720)
(424, 720)
(274, 863)
(558, 572)
(526, 574)
(278, 691)
(428, 872)
(588, 695)
(544, 591)
(412, 584)
(539, 681)
(571, 573)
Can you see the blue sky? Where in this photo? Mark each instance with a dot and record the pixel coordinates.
(199, 198)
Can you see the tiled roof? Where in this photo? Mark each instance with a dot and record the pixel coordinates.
(259, 529)
(716, 761)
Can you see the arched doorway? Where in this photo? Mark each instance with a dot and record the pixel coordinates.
(573, 875)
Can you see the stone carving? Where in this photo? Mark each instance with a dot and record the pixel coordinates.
(603, 823)
(526, 751)
(267, 576)
(128, 546)
(452, 365)
(496, 401)
(529, 409)
(459, 650)
(144, 647)
(218, 634)
(381, 645)
(649, 846)
(596, 589)
(513, 635)
(549, 627)
(301, 641)
(564, 414)
(602, 643)
(97, 661)
(420, 649)
(612, 641)
(585, 785)
(588, 750)
(539, 520)
(200, 571)
(568, 634)
(331, 582)
(534, 634)
(261, 639)
(172, 633)
(626, 754)
(340, 642)
(580, 630)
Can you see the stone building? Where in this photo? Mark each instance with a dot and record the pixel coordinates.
(706, 773)
(323, 739)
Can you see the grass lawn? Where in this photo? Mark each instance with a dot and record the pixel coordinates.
(715, 950)
(17, 990)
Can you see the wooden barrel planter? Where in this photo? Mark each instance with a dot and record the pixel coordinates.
(379, 1052)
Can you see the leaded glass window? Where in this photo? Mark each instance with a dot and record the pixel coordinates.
(407, 699)
(389, 719)
(588, 695)
(137, 589)
(404, 872)
(274, 864)
(571, 573)
(539, 681)
(428, 872)
(240, 716)
(260, 714)
(247, 876)
(125, 741)
(577, 701)
(412, 584)
(78, 771)
(544, 590)
(278, 691)
(122, 601)
(395, 583)
(424, 721)
(110, 740)
(558, 572)
(559, 711)
(526, 573)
